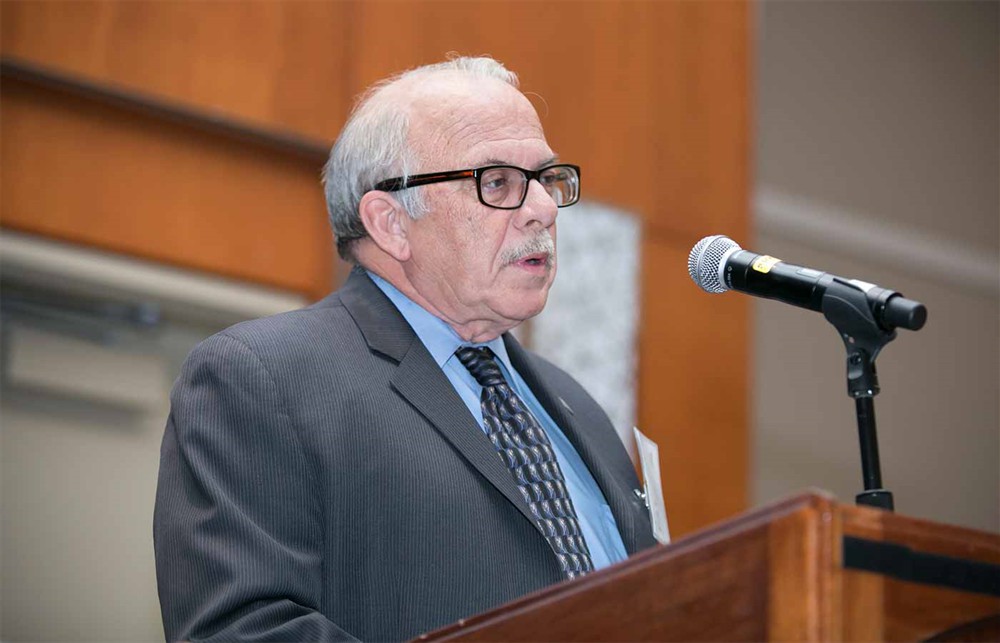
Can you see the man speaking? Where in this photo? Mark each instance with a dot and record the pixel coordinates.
(390, 459)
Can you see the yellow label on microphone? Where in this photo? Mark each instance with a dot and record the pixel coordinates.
(764, 263)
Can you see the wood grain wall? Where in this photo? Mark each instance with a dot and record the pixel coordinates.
(651, 98)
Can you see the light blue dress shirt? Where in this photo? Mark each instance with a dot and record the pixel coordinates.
(441, 340)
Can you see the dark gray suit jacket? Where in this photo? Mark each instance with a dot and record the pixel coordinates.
(320, 479)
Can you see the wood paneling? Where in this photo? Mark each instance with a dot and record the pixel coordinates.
(280, 64)
(693, 388)
(97, 176)
(775, 574)
(909, 610)
(651, 98)
(799, 604)
(582, 63)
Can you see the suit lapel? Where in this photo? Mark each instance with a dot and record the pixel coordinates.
(420, 381)
(620, 499)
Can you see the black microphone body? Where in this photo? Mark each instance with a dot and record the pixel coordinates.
(764, 276)
(771, 278)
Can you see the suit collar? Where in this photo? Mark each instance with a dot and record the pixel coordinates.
(383, 328)
(437, 336)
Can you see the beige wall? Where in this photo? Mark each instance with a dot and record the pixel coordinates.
(83, 400)
(82, 425)
(877, 158)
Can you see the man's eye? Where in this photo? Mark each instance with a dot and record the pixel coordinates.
(495, 183)
(551, 178)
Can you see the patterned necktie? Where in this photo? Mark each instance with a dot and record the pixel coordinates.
(523, 446)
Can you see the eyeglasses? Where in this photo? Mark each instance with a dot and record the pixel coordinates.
(502, 186)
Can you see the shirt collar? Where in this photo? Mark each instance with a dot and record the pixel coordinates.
(438, 337)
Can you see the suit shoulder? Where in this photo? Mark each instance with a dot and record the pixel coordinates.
(290, 326)
(293, 336)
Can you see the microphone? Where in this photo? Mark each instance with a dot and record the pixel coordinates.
(717, 264)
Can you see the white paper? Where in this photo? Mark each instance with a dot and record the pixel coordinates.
(649, 459)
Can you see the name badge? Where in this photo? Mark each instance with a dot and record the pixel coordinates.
(649, 459)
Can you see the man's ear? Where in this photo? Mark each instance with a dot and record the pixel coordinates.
(386, 222)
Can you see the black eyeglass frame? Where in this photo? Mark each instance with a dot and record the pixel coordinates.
(399, 183)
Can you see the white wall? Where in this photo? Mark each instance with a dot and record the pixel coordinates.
(82, 424)
(877, 158)
(83, 402)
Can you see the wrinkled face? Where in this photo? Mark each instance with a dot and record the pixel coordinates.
(473, 264)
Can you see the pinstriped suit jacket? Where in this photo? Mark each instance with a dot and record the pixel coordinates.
(320, 479)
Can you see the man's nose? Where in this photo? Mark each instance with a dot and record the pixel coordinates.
(538, 206)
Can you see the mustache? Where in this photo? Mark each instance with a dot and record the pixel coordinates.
(542, 243)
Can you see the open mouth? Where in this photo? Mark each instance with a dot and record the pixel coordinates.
(537, 259)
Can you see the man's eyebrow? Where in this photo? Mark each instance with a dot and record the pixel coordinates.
(550, 161)
(495, 161)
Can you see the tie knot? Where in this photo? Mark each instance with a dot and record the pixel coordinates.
(482, 365)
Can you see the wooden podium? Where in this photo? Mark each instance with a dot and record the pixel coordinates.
(803, 569)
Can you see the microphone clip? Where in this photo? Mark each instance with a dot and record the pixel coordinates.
(848, 307)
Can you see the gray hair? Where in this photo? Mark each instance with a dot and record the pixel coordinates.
(374, 146)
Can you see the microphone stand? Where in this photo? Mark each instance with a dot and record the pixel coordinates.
(846, 306)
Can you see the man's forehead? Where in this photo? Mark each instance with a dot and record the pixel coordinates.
(456, 115)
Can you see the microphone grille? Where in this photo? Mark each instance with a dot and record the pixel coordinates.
(706, 259)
